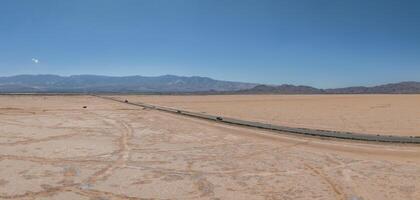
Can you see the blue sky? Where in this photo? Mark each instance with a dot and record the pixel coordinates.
(323, 43)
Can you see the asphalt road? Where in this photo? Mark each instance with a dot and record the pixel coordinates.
(279, 129)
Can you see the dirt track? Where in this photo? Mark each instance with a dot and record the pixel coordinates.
(52, 148)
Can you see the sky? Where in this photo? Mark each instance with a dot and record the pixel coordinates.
(322, 43)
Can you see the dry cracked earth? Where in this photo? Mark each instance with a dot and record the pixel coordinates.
(53, 148)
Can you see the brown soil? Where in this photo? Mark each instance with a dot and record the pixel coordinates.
(373, 114)
(53, 148)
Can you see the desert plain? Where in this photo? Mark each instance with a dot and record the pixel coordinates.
(85, 147)
(372, 114)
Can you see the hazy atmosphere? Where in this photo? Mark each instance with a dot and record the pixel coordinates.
(318, 43)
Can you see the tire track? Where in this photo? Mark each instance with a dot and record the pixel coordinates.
(123, 151)
(75, 188)
(31, 141)
(334, 187)
(33, 195)
(43, 160)
(79, 188)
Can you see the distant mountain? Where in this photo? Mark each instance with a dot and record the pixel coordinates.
(393, 88)
(281, 89)
(94, 83)
(176, 84)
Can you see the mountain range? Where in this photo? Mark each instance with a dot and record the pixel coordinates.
(126, 84)
(393, 88)
(176, 84)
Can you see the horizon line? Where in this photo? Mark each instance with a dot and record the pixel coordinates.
(184, 76)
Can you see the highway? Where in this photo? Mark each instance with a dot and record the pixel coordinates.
(276, 128)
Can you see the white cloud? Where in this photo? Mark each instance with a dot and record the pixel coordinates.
(35, 60)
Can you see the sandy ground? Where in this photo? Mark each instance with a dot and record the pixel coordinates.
(52, 148)
(374, 114)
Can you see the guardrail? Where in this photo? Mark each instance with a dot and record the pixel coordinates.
(277, 128)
